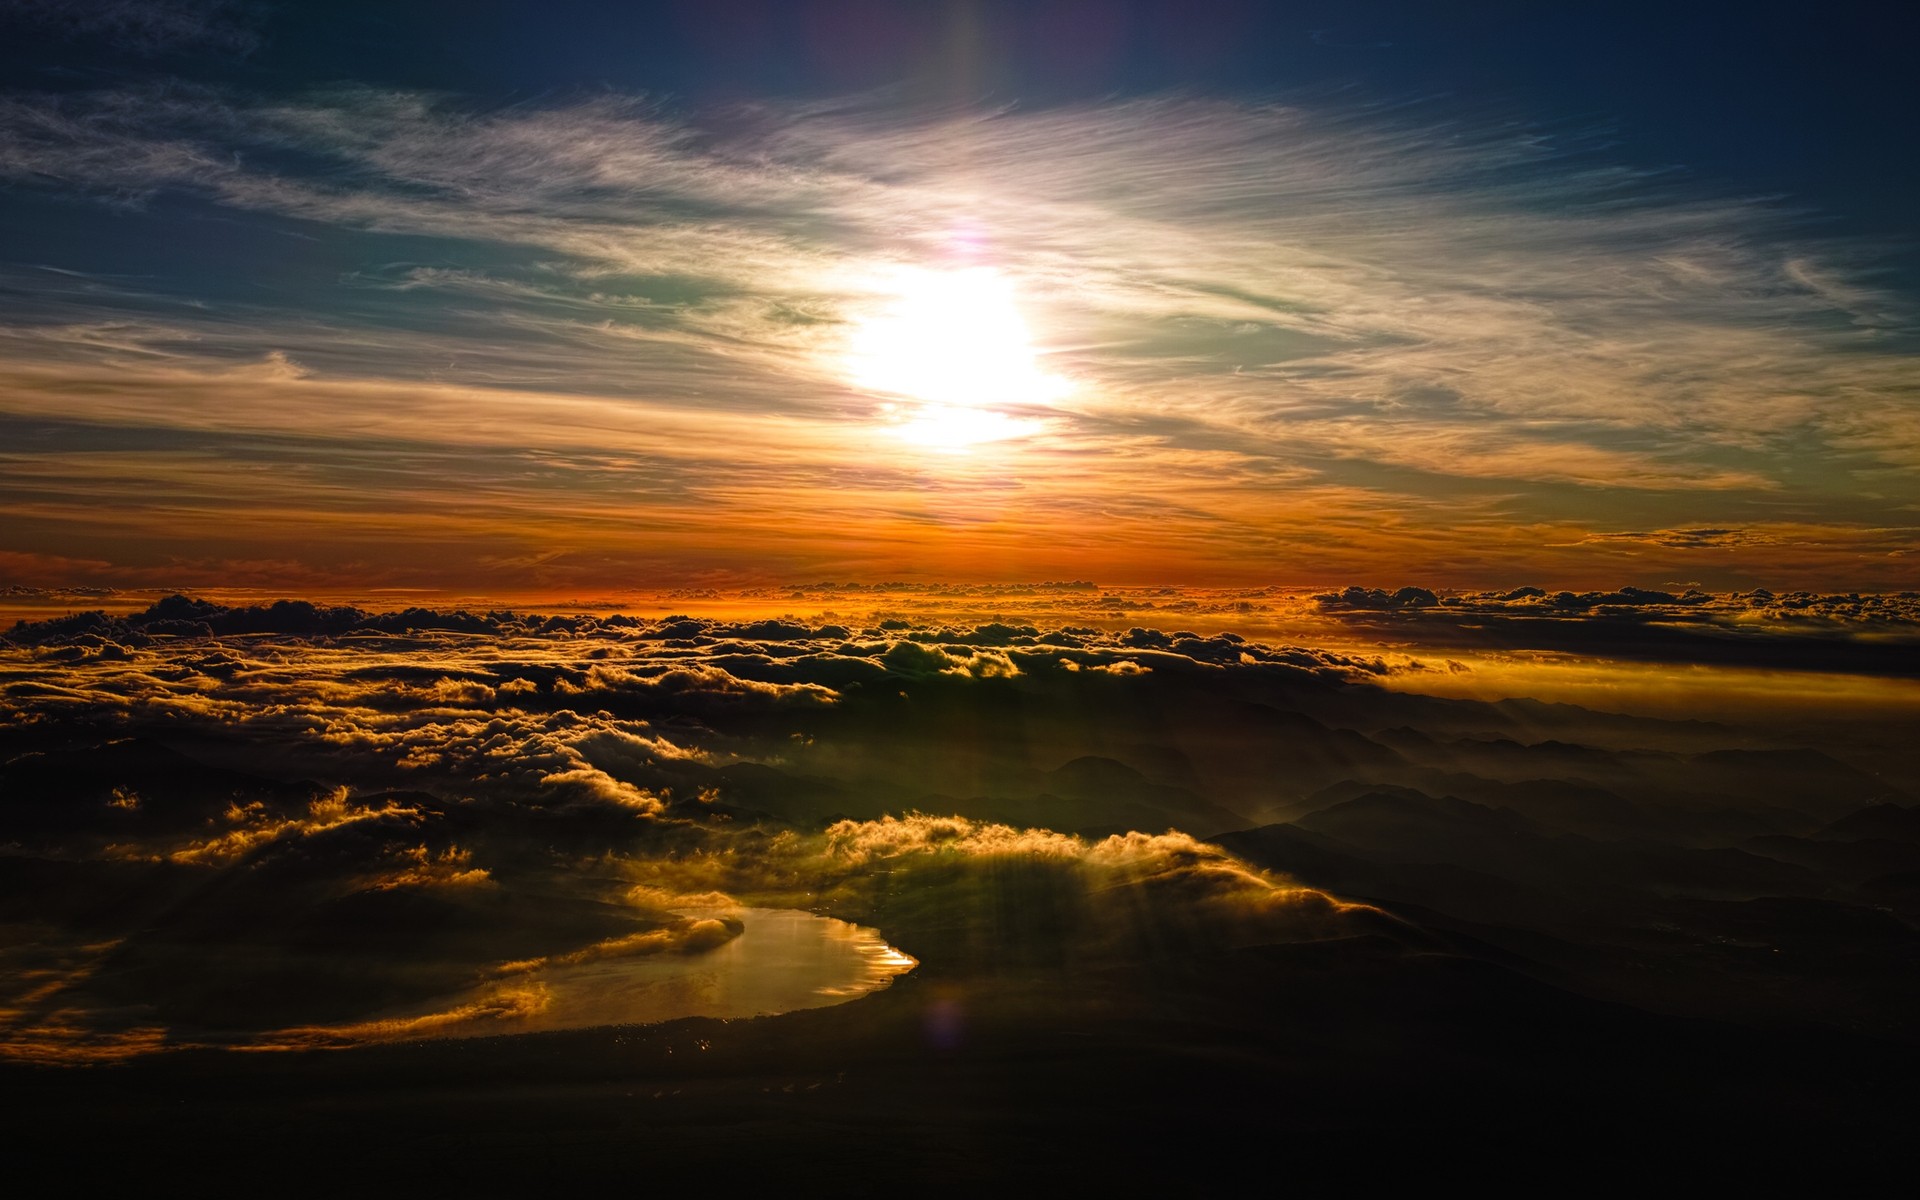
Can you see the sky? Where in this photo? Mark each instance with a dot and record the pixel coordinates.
(562, 297)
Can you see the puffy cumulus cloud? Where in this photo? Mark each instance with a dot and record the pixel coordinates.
(916, 658)
(424, 660)
(459, 692)
(859, 843)
(508, 755)
(1170, 861)
(254, 829)
(420, 867)
(666, 900)
(504, 711)
(1354, 597)
(596, 785)
(996, 894)
(317, 819)
(987, 892)
(866, 706)
(694, 680)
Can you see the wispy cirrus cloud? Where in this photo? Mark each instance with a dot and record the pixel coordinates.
(1448, 338)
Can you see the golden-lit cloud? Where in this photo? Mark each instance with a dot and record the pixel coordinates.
(689, 937)
(345, 825)
(1196, 872)
(506, 1007)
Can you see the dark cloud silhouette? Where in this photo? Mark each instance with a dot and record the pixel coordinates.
(1849, 633)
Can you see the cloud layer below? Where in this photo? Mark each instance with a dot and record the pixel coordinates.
(301, 826)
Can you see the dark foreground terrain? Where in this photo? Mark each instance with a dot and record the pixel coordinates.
(1338, 1065)
(1190, 912)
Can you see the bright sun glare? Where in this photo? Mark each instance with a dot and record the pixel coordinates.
(953, 346)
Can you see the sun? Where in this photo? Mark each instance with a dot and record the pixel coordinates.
(953, 350)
